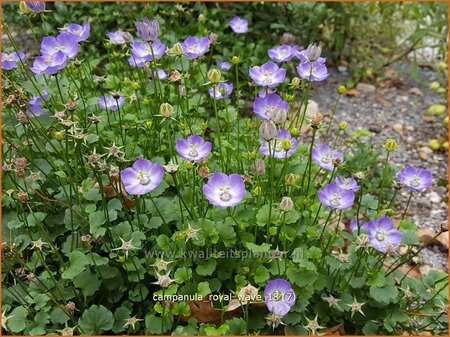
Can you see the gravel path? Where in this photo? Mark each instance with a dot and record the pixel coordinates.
(397, 108)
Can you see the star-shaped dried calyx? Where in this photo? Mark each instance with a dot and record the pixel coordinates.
(126, 246)
(67, 331)
(114, 150)
(277, 254)
(191, 233)
(161, 264)
(274, 320)
(5, 319)
(356, 307)
(313, 326)
(164, 281)
(38, 244)
(332, 301)
(132, 321)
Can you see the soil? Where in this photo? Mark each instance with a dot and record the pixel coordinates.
(396, 107)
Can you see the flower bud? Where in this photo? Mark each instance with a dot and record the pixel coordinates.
(434, 85)
(175, 76)
(257, 191)
(213, 38)
(279, 116)
(313, 51)
(441, 91)
(203, 125)
(135, 85)
(58, 135)
(286, 144)
(295, 82)
(22, 196)
(294, 131)
(288, 97)
(252, 155)
(203, 172)
(391, 145)
(258, 167)
(342, 89)
(178, 49)
(434, 144)
(316, 120)
(343, 125)
(24, 9)
(268, 130)
(201, 18)
(235, 60)
(214, 76)
(291, 179)
(359, 175)
(286, 204)
(188, 164)
(442, 66)
(166, 110)
(71, 105)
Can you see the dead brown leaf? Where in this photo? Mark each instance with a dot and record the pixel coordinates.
(352, 92)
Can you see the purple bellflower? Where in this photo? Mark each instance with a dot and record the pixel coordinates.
(120, 37)
(279, 296)
(110, 103)
(415, 179)
(383, 234)
(223, 90)
(143, 177)
(347, 184)
(224, 65)
(194, 148)
(323, 156)
(239, 25)
(195, 47)
(334, 197)
(224, 191)
(266, 107)
(50, 64)
(268, 75)
(283, 53)
(12, 61)
(36, 6)
(80, 32)
(276, 145)
(148, 30)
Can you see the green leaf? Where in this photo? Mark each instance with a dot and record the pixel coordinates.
(96, 220)
(78, 262)
(226, 232)
(18, 320)
(183, 274)
(154, 223)
(88, 282)
(258, 249)
(35, 218)
(207, 268)
(409, 238)
(377, 280)
(120, 315)
(370, 329)
(237, 327)
(203, 289)
(262, 216)
(181, 308)
(385, 294)
(95, 320)
(261, 274)
(301, 278)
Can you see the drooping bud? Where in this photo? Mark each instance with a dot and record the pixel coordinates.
(258, 167)
(313, 51)
(166, 110)
(286, 144)
(268, 130)
(257, 191)
(343, 125)
(342, 89)
(214, 76)
(286, 204)
(279, 116)
(178, 49)
(235, 60)
(295, 82)
(391, 145)
(291, 179)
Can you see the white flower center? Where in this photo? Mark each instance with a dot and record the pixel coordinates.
(336, 200)
(8, 57)
(380, 236)
(49, 60)
(225, 194)
(193, 152)
(277, 295)
(194, 48)
(415, 181)
(143, 178)
(60, 48)
(326, 159)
